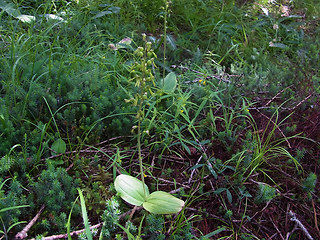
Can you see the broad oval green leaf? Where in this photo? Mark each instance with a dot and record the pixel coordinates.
(170, 83)
(163, 203)
(59, 146)
(130, 189)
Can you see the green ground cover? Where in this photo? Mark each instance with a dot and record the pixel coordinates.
(213, 101)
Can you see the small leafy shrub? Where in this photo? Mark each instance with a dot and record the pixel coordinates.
(55, 188)
(184, 233)
(154, 226)
(265, 193)
(11, 196)
(110, 218)
(309, 184)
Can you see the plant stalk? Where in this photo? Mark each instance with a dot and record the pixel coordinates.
(139, 148)
(165, 40)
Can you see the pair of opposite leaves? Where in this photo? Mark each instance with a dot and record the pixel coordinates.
(131, 190)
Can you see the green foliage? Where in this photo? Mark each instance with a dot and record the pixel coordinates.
(55, 189)
(110, 218)
(154, 226)
(69, 68)
(186, 232)
(86, 223)
(11, 205)
(6, 163)
(59, 146)
(309, 184)
(265, 193)
(39, 56)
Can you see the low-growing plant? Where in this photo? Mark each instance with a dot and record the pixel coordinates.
(265, 193)
(130, 188)
(266, 148)
(9, 210)
(110, 218)
(309, 184)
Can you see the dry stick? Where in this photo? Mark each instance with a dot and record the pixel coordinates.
(295, 227)
(24, 233)
(137, 209)
(315, 217)
(111, 139)
(265, 207)
(70, 152)
(286, 223)
(301, 102)
(173, 183)
(75, 233)
(132, 212)
(271, 100)
(87, 149)
(249, 231)
(298, 224)
(275, 226)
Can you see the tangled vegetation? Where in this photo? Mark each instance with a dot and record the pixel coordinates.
(213, 104)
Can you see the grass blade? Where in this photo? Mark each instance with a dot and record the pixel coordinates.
(69, 220)
(85, 216)
(12, 208)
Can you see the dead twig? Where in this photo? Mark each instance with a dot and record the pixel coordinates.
(305, 99)
(275, 226)
(271, 100)
(315, 217)
(24, 233)
(75, 233)
(298, 225)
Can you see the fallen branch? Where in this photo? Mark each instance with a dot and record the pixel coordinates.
(298, 225)
(24, 233)
(275, 226)
(75, 233)
(305, 99)
(315, 217)
(278, 95)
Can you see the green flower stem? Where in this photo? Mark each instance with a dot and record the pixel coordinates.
(139, 154)
(165, 39)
